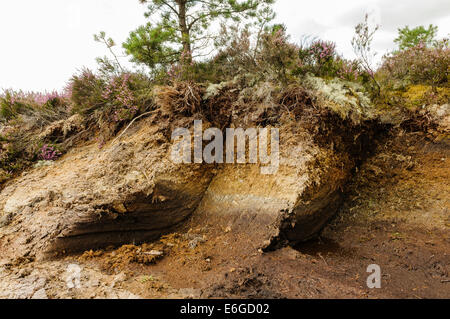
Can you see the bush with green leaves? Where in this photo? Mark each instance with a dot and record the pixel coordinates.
(409, 38)
(123, 96)
(86, 92)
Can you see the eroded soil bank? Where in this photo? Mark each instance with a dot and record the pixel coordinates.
(395, 214)
(130, 190)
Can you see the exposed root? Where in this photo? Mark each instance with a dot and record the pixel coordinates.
(182, 98)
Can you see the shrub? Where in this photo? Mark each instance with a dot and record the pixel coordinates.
(267, 56)
(117, 98)
(23, 115)
(48, 153)
(348, 70)
(322, 51)
(43, 107)
(236, 55)
(321, 59)
(278, 57)
(417, 65)
(16, 150)
(86, 92)
(408, 38)
(120, 98)
(362, 47)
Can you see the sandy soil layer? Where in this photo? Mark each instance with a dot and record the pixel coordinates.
(396, 215)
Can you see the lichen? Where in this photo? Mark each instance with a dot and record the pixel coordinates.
(346, 99)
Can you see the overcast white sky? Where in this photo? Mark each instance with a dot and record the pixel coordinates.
(42, 43)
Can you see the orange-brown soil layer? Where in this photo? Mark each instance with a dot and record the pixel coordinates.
(396, 215)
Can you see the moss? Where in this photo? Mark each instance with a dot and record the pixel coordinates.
(416, 96)
(413, 97)
(416, 92)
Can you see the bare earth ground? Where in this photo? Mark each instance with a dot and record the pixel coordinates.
(397, 215)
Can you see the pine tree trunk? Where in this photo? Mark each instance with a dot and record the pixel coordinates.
(186, 41)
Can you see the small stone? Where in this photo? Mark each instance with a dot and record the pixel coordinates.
(6, 220)
(154, 253)
(194, 242)
(94, 283)
(127, 295)
(188, 293)
(24, 272)
(40, 294)
(120, 208)
(118, 279)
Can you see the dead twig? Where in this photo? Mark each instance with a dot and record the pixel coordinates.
(129, 125)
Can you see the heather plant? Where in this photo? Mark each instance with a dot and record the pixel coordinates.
(278, 58)
(257, 49)
(48, 153)
(19, 149)
(120, 98)
(10, 157)
(12, 104)
(36, 108)
(348, 70)
(320, 58)
(86, 92)
(272, 56)
(238, 48)
(322, 51)
(34, 124)
(417, 65)
(124, 94)
(236, 53)
(23, 116)
(16, 150)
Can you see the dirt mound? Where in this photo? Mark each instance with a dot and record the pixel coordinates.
(130, 191)
(124, 192)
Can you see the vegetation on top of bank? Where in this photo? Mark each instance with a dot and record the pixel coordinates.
(188, 61)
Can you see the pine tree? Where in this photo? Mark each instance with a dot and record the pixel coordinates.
(181, 28)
